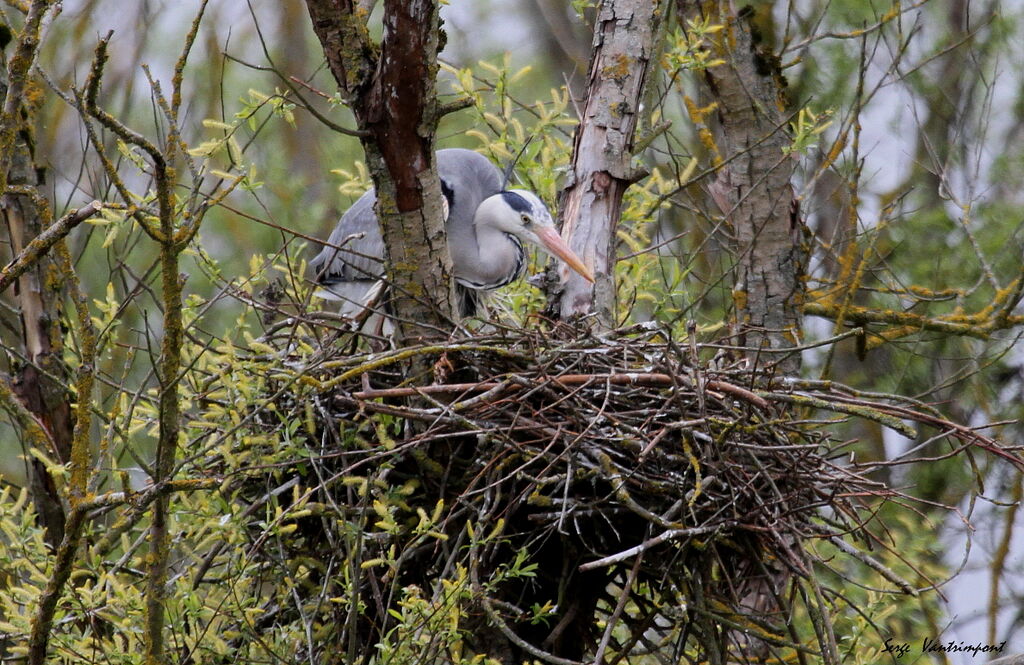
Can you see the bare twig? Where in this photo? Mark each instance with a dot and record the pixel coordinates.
(662, 537)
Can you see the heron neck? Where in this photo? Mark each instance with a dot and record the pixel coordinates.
(487, 260)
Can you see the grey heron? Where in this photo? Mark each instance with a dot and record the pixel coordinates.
(486, 226)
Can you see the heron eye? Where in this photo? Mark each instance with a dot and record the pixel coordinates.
(526, 219)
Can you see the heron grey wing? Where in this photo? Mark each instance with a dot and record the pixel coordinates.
(355, 248)
(471, 177)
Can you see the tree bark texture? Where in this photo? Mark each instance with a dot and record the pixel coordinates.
(623, 47)
(768, 238)
(753, 189)
(391, 91)
(37, 383)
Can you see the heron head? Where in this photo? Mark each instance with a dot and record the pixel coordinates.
(522, 214)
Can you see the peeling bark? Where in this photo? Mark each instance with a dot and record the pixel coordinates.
(602, 152)
(754, 191)
(391, 91)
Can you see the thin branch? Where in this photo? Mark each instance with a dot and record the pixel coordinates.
(42, 621)
(665, 536)
(287, 80)
(620, 605)
(44, 241)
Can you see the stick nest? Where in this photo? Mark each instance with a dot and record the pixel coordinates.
(612, 467)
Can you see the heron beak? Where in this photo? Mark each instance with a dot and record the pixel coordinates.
(554, 244)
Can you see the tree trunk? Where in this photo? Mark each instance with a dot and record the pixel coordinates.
(768, 237)
(591, 201)
(754, 192)
(39, 382)
(391, 91)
